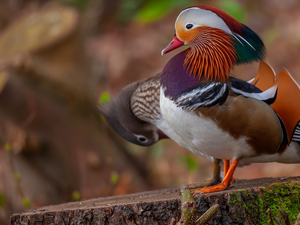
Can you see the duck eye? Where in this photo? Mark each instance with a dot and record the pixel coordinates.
(189, 26)
(142, 139)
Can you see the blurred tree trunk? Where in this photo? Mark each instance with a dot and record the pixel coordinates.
(54, 146)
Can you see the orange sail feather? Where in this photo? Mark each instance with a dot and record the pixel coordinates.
(265, 77)
(287, 104)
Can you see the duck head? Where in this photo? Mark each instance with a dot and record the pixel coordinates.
(119, 114)
(217, 42)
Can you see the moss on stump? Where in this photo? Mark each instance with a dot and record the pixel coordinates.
(253, 204)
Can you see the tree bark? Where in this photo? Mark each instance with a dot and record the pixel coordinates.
(246, 202)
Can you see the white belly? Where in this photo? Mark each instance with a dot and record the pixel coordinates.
(164, 126)
(202, 135)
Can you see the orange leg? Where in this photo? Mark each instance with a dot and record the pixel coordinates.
(225, 182)
(226, 166)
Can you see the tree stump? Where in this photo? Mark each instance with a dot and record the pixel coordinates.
(246, 202)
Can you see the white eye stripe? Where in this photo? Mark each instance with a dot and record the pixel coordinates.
(193, 26)
(189, 26)
(202, 17)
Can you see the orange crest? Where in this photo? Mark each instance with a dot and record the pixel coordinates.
(212, 54)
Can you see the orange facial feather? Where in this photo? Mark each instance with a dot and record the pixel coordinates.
(212, 54)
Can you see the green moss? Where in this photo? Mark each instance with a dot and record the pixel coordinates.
(234, 199)
(280, 196)
(283, 196)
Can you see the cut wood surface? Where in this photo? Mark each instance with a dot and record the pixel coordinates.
(246, 202)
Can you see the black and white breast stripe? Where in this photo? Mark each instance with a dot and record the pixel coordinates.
(296, 134)
(212, 93)
(204, 95)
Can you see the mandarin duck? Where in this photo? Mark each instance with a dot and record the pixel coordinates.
(220, 115)
(135, 115)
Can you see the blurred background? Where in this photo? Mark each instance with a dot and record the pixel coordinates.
(58, 59)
